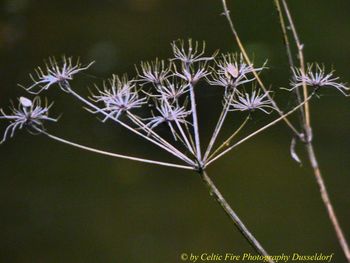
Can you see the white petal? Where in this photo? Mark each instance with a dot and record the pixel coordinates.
(25, 102)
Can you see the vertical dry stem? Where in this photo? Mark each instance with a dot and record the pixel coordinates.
(307, 126)
(215, 193)
(327, 202)
(300, 47)
(246, 57)
(289, 54)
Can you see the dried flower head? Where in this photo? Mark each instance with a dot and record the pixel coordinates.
(168, 114)
(250, 102)
(232, 71)
(154, 72)
(55, 73)
(170, 90)
(190, 53)
(29, 114)
(192, 74)
(118, 95)
(316, 76)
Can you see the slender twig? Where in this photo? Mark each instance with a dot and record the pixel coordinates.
(327, 202)
(139, 123)
(227, 142)
(300, 47)
(190, 137)
(308, 136)
(171, 149)
(183, 134)
(195, 123)
(289, 53)
(256, 75)
(218, 127)
(284, 33)
(253, 134)
(59, 139)
(233, 216)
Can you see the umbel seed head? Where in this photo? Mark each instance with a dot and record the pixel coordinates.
(29, 114)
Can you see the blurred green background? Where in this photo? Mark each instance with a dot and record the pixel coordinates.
(60, 204)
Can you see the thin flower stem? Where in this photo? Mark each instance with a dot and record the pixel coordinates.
(167, 148)
(284, 33)
(215, 193)
(289, 53)
(59, 139)
(195, 123)
(309, 145)
(184, 137)
(139, 123)
(302, 66)
(227, 142)
(327, 202)
(258, 131)
(190, 135)
(256, 75)
(171, 150)
(217, 128)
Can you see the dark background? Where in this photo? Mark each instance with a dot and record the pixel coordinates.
(60, 204)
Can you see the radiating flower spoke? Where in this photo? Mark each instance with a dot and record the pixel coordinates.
(316, 76)
(232, 71)
(168, 114)
(191, 52)
(55, 73)
(154, 72)
(250, 102)
(118, 95)
(30, 114)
